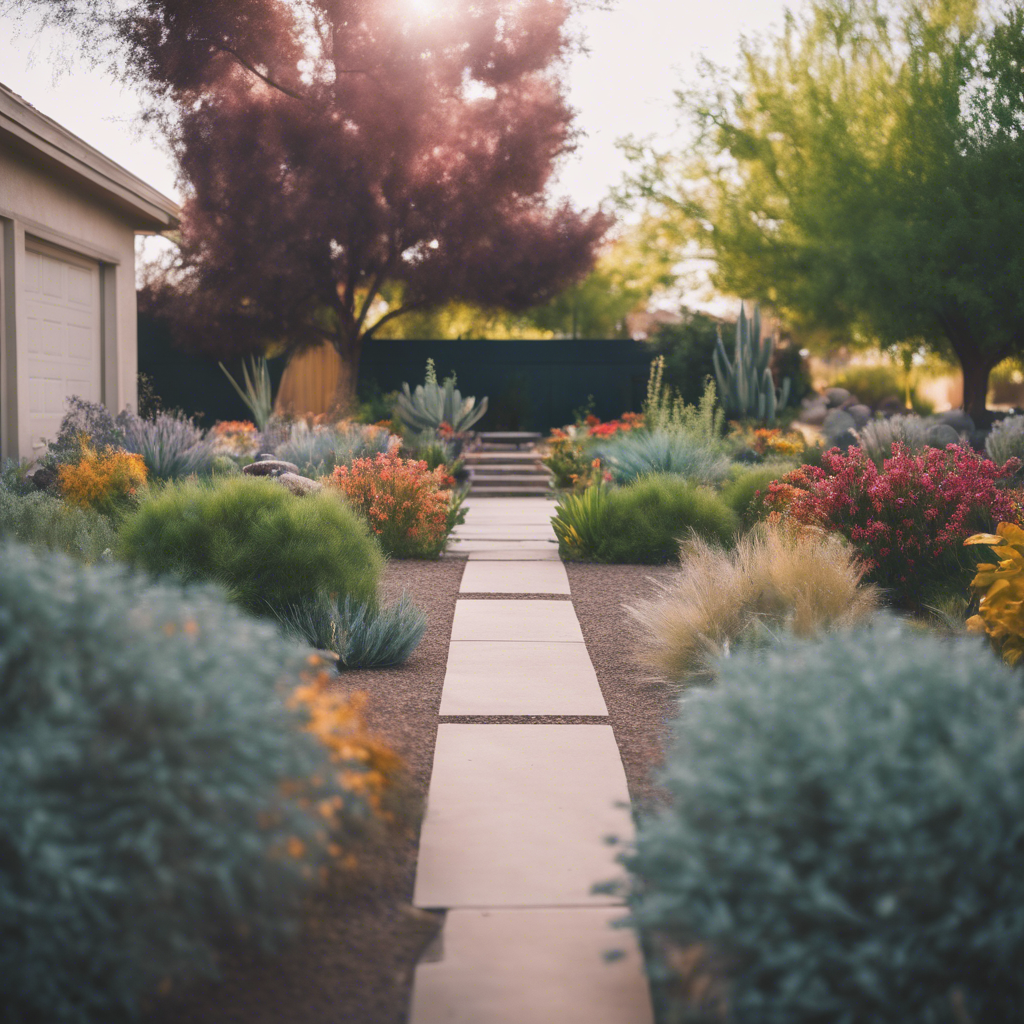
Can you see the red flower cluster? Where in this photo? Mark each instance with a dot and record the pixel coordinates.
(908, 520)
(407, 505)
(629, 421)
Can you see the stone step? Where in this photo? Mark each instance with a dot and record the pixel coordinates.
(514, 437)
(507, 491)
(537, 479)
(473, 457)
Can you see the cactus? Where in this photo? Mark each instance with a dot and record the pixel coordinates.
(432, 404)
(746, 384)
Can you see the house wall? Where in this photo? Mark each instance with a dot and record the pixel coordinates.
(42, 204)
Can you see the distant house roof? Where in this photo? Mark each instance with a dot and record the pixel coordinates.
(25, 128)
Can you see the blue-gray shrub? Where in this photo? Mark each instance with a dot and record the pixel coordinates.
(83, 417)
(170, 444)
(641, 453)
(145, 740)
(363, 635)
(842, 839)
(1006, 440)
(319, 450)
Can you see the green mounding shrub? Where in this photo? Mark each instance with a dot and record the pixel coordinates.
(156, 795)
(44, 521)
(745, 491)
(269, 548)
(319, 450)
(641, 523)
(842, 837)
(363, 636)
(640, 453)
(171, 445)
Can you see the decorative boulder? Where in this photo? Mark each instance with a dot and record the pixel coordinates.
(893, 405)
(941, 434)
(958, 420)
(837, 397)
(300, 485)
(270, 467)
(861, 414)
(837, 422)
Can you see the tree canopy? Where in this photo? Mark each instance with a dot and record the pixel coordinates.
(331, 148)
(863, 173)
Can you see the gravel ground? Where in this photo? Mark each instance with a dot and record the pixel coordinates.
(354, 960)
(640, 706)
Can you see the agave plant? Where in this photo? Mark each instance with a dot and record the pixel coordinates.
(432, 404)
(746, 383)
(258, 393)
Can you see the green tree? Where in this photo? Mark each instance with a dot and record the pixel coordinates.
(863, 173)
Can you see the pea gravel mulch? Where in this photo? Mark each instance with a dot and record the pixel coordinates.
(353, 961)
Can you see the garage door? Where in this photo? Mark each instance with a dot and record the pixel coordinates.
(62, 297)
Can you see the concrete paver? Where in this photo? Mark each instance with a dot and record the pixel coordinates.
(536, 620)
(520, 679)
(515, 577)
(533, 967)
(518, 816)
(501, 553)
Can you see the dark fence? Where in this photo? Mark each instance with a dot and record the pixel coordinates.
(531, 385)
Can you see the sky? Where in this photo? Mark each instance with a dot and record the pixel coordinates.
(639, 53)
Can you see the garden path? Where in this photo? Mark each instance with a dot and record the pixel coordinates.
(527, 786)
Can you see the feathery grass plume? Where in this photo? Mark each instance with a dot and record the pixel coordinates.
(775, 580)
(362, 635)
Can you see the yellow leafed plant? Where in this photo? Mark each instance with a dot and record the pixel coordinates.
(103, 479)
(1001, 609)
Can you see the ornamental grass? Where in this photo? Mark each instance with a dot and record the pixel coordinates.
(775, 580)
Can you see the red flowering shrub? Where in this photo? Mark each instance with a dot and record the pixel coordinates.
(410, 508)
(909, 519)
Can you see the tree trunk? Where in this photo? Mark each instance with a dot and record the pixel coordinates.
(976, 373)
(349, 352)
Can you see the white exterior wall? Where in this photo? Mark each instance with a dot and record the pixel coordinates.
(43, 204)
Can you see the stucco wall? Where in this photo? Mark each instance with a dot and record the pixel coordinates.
(39, 202)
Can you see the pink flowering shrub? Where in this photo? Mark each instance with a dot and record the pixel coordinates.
(909, 519)
(409, 507)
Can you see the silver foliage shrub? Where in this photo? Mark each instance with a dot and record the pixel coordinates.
(842, 837)
(1006, 440)
(170, 444)
(146, 740)
(318, 450)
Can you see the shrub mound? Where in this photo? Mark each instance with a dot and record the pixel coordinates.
(908, 518)
(746, 492)
(843, 834)
(44, 521)
(157, 751)
(641, 523)
(776, 580)
(411, 509)
(269, 548)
